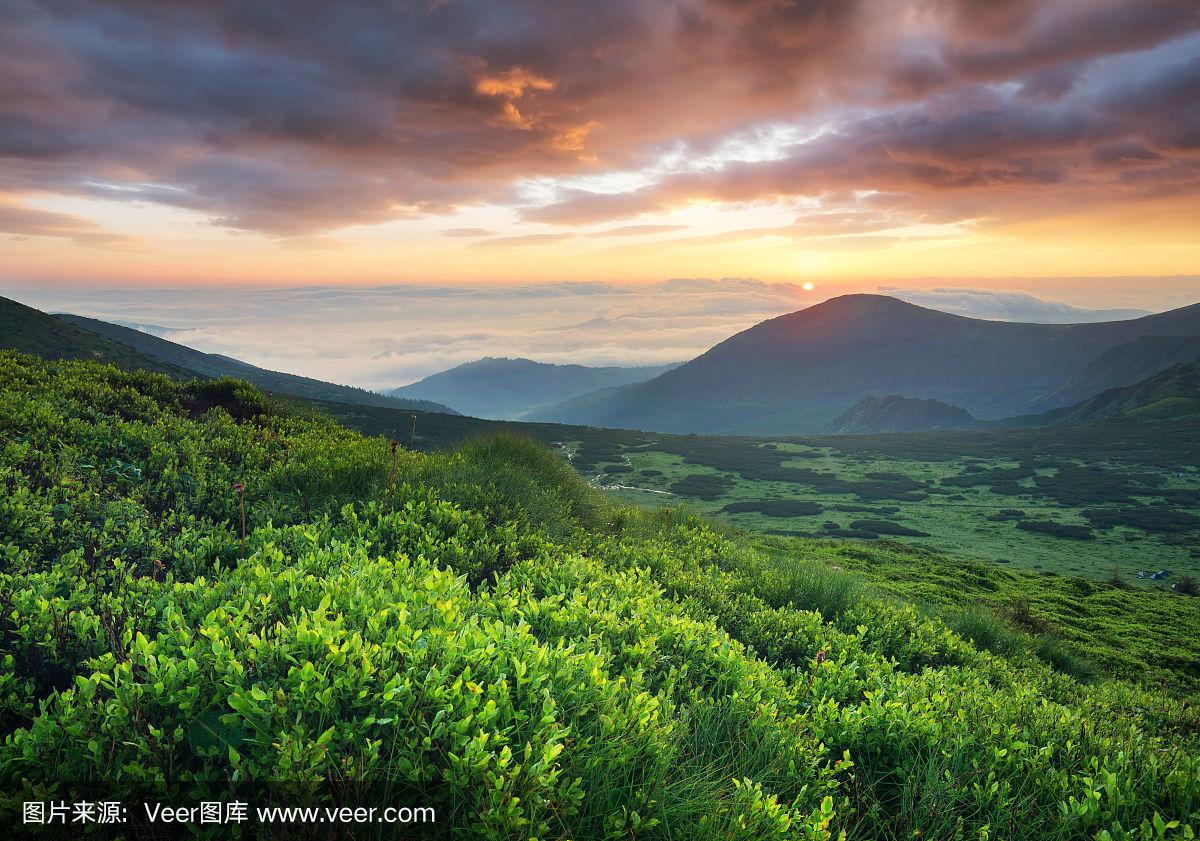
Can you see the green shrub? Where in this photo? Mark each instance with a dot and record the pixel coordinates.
(706, 486)
(1056, 529)
(775, 507)
(887, 527)
(487, 636)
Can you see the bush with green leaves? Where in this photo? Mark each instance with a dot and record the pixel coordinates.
(482, 633)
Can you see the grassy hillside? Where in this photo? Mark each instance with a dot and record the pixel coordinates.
(796, 373)
(483, 634)
(1128, 364)
(511, 388)
(1173, 393)
(32, 331)
(1136, 635)
(216, 366)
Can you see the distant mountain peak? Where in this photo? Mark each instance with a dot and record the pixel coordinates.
(857, 304)
(798, 372)
(866, 300)
(510, 388)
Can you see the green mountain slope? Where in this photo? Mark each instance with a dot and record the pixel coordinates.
(483, 635)
(798, 372)
(1129, 363)
(894, 413)
(512, 388)
(1173, 393)
(215, 365)
(32, 331)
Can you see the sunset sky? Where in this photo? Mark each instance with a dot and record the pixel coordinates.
(828, 141)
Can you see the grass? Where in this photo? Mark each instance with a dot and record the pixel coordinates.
(531, 481)
(1134, 634)
(1113, 506)
(792, 581)
(1135, 485)
(987, 631)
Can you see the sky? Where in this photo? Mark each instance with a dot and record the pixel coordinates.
(228, 151)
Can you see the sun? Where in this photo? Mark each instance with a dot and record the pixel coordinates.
(807, 287)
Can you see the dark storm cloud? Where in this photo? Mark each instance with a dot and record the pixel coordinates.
(293, 119)
(1050, 34)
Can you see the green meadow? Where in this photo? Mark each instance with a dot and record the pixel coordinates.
(1093, 510)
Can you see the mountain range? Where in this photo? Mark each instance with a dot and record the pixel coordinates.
(859, 364)
(509, 389)
(76, 337)
(799, 372)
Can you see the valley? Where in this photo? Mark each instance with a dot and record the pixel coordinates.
(1090, 501)
(1121, 495)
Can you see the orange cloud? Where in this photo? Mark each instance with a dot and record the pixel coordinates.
(513, 84)
(1060, 133)
(574, 138)
(23, 221)
(512, 116)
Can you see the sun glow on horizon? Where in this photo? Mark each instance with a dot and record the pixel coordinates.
(666, 153)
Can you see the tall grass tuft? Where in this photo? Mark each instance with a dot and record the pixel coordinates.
(1062, 659)
(807, 585)
(515, 476)
(270, 428)
(988, 632)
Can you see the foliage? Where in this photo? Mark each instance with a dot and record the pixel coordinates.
(492, 638)
(707, 486)
(1137, 635)
(887, 527)
(1057, 529)
(775, 507)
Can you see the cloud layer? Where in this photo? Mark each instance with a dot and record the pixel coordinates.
(383, 337)
(297, 119)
